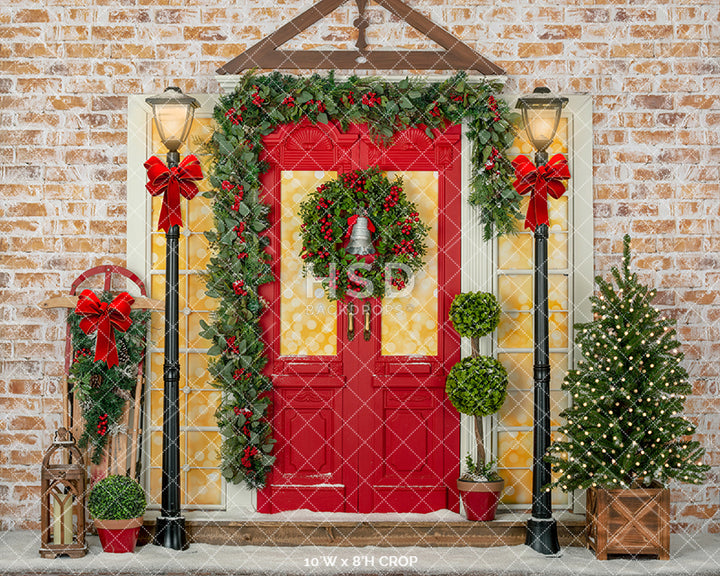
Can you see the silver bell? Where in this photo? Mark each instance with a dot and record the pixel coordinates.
(360, 239)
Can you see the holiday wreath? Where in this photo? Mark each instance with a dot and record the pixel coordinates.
(105, 362)
(328, 216)
(240, 264)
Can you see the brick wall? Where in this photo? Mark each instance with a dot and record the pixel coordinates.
(67, 67)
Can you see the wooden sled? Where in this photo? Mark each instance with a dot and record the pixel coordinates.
(121, 452)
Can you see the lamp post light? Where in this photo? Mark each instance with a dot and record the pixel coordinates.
(173, 112)
(541, 116)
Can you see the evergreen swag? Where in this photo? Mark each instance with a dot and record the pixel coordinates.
(399, 236)
(240, 264)
(102, 391)
(624, 428)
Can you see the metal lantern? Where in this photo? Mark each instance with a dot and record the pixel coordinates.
(360, 239)
(173, 112)
(541, 116)
(62, 493)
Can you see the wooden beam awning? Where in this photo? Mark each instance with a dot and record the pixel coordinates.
(456, 54)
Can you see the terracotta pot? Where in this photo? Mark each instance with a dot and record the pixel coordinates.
(118, 536)
(480, 499)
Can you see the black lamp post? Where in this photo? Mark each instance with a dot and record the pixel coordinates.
(541, 116)
(173, 112)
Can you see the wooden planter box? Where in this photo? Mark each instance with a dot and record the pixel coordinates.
(635, 521)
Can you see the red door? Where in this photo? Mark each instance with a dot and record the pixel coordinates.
(360, 413)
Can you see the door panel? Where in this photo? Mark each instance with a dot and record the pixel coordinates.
(363, 423)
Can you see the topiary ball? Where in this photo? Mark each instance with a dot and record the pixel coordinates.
(475, 314)
(477, 385)
(116, 498)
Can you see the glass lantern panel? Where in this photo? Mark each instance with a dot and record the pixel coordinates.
(172, 120)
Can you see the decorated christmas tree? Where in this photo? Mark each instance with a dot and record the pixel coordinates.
(624, 428)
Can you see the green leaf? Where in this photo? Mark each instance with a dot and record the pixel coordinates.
(228, 237)
(225, 146)
(304, 97)
(243, 210)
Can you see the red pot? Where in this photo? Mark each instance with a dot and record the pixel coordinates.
(480, 499)
(118, 536)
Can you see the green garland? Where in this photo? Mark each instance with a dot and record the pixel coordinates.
(240, 264)
(399, 236)
(102, 391)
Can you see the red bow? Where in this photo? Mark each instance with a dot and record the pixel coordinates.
(172, 182)
(105, 318)
(353, 220)
(540, 181)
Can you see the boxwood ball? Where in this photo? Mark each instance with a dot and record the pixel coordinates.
(116, 498)
(475, 314)
(477, 386)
